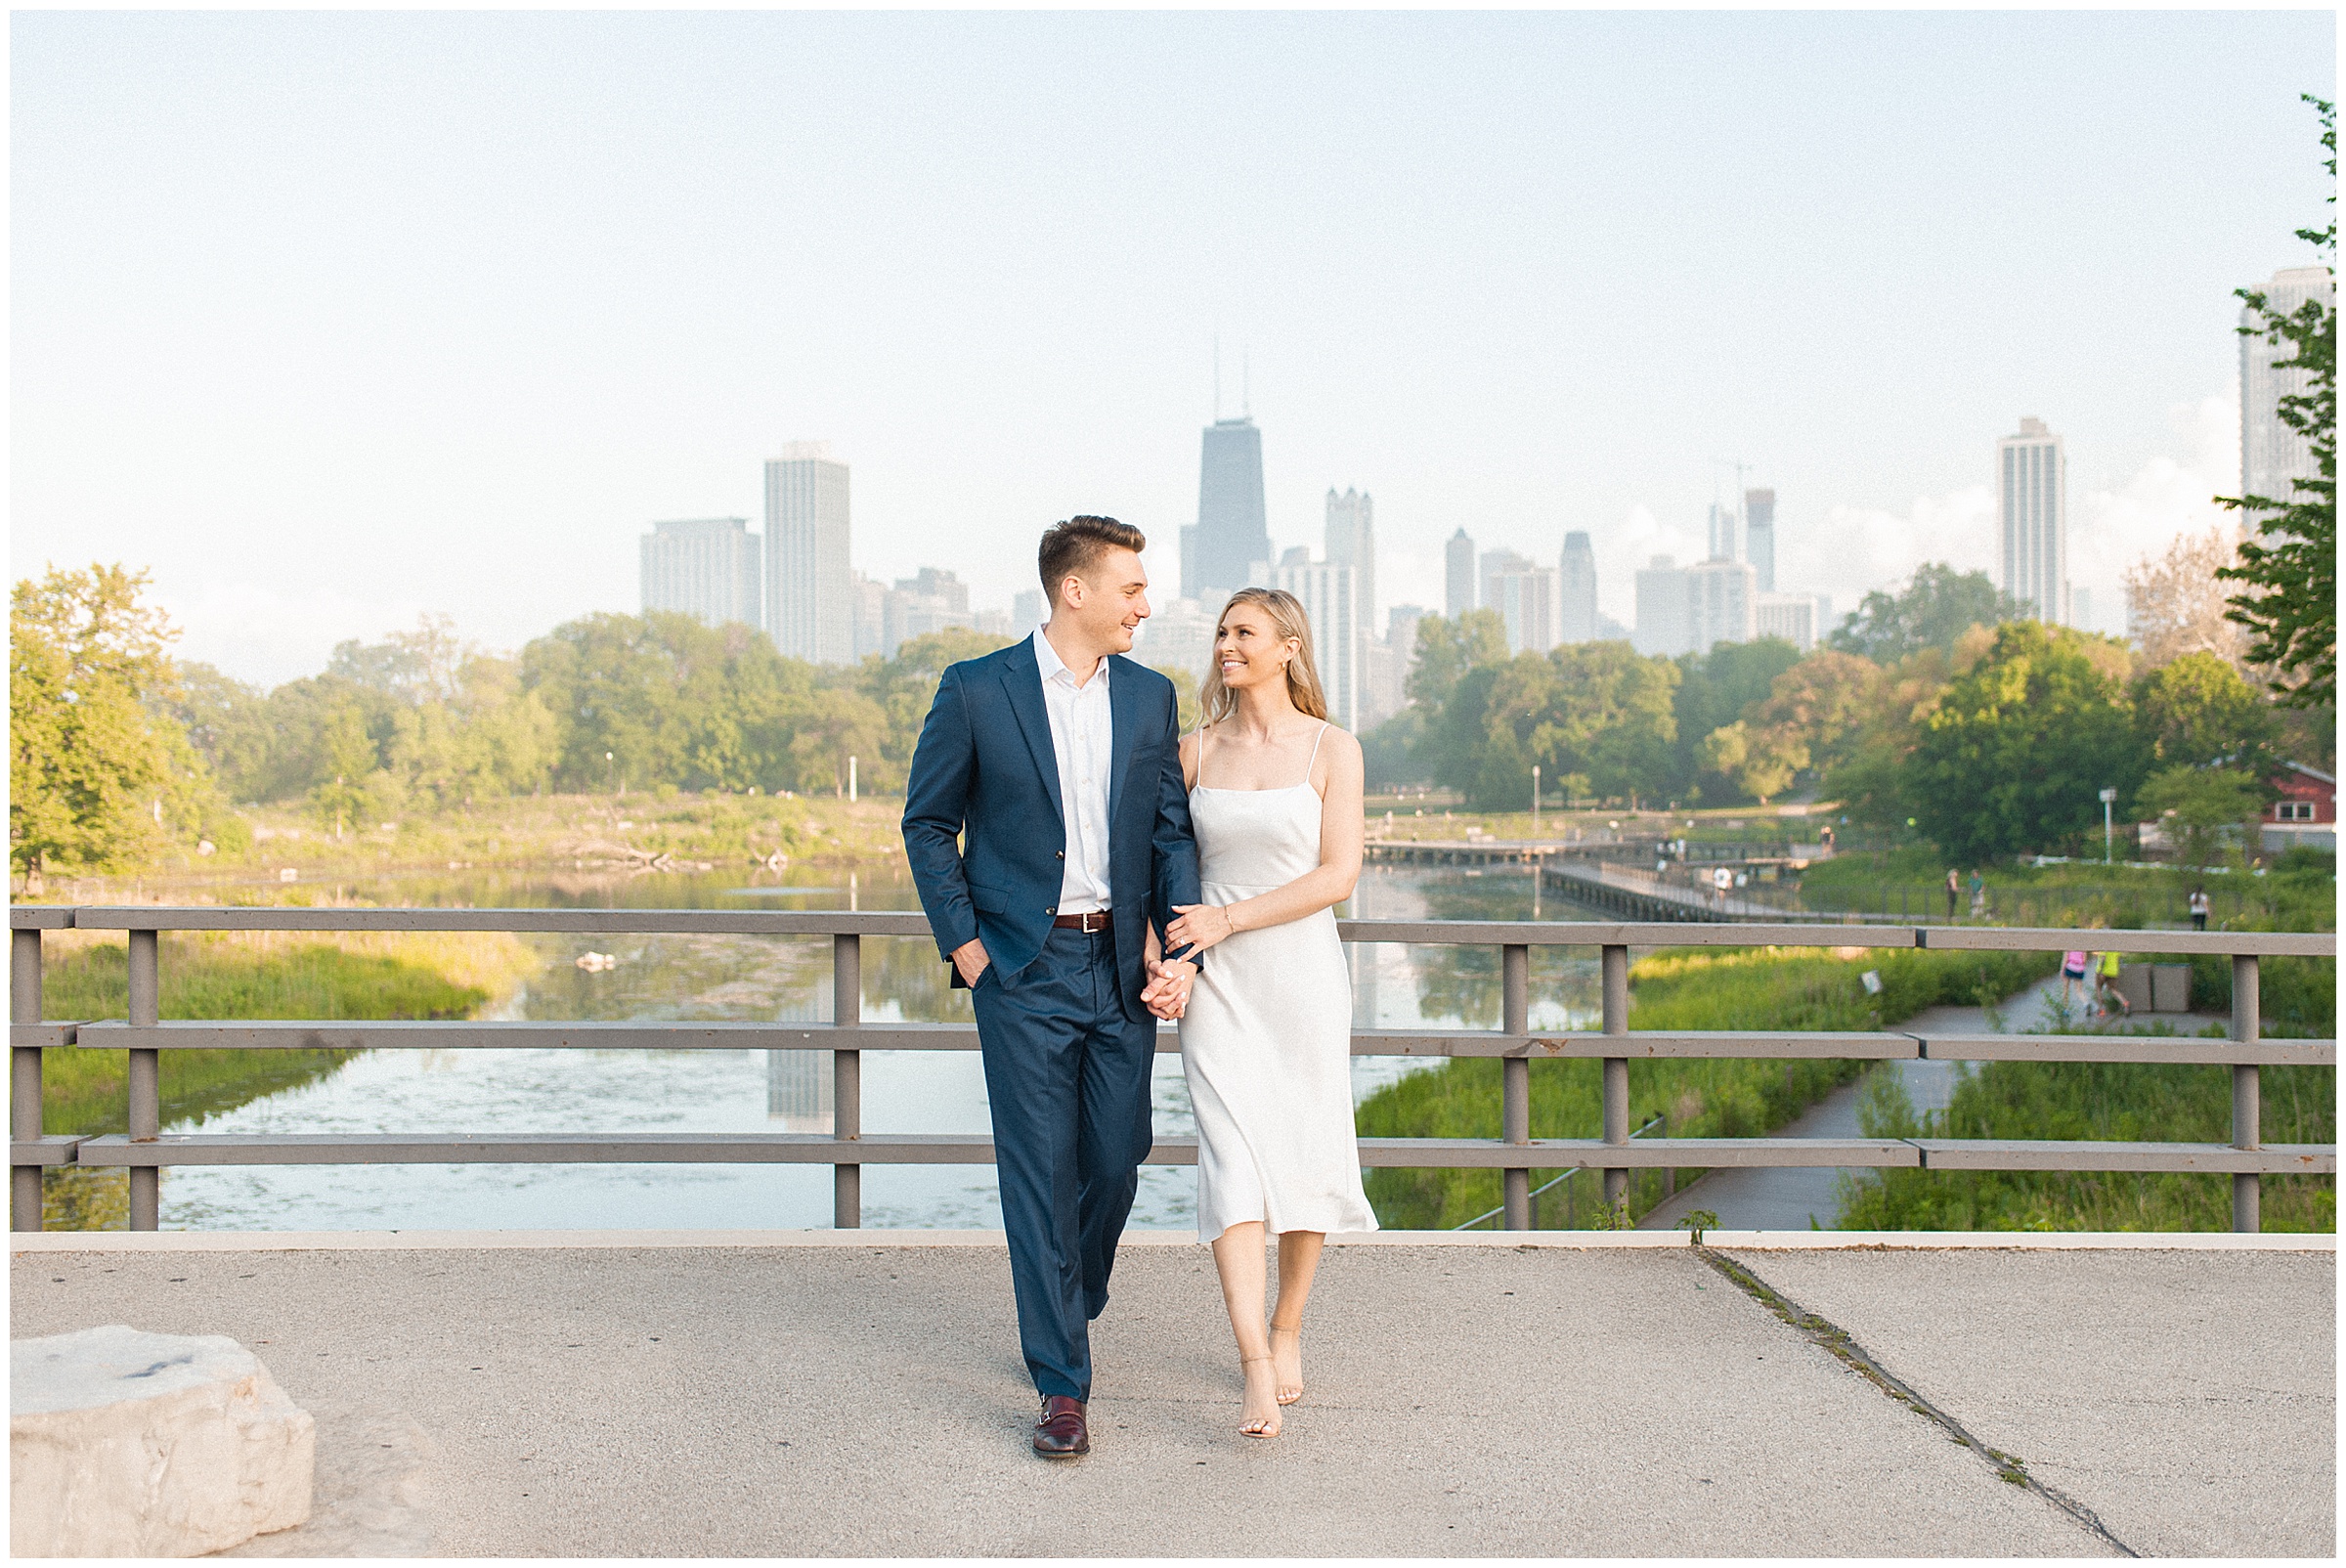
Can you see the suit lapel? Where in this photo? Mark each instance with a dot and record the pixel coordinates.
(1124, 718)
(1022, 680)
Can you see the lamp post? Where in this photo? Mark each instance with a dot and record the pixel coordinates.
(614, 768)
(1535, 800)
(2108, 796)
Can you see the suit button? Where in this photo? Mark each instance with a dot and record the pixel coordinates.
(1062, 854)
(1052, 910)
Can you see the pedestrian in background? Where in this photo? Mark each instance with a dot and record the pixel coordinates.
(2107, 988)
(1978, 896)
(1954, 888)
(2199, 909)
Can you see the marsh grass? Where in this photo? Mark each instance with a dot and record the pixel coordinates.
(1697, 988)
(2092, 1100)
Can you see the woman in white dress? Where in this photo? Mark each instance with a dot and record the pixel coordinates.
(1266, 1027)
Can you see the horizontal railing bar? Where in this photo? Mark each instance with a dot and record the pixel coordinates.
(911, 923)
(884, 1149)
(2184, 1050)
(2031, 939)
(1990, 1153)
(43, 1035)
(645, 1035)
(51, 1148)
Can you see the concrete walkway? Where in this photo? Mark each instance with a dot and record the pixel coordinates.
(822, 1394)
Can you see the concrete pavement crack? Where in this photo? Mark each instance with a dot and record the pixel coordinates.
(1836, 1342)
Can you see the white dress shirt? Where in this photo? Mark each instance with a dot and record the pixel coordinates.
(1082, 737)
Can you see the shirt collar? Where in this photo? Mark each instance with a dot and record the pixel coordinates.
(1053, 667)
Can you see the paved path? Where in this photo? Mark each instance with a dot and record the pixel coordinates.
(1476, 1398)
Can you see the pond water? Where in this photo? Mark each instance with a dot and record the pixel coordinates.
(781, 978)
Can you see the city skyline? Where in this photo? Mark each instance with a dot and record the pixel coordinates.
(499, 288)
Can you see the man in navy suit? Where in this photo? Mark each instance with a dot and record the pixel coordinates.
(1048, 831)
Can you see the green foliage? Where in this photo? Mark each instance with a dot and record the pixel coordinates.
(2289, 566)
(1683, 990)
(82, 1090)
(1715, 689)
(2197, 710)
(2208, 812)
(2021, 746)
(101, 776)
(1938, 606)
(1447, 649)
(1390, 752)
(2092, 1099)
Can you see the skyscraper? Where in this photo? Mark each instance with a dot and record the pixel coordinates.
(2271, 455)
(1526, 599)
(1722, 604)
(1352, 541)
(1665, 624)
(2033, 498)
(1722, 533)
(1495, 564)
(1576, 591)
(1790, 616)
(810, 598)
(705, 567)
(1459, 590)
(1327, 592)
(1760, 536)
(1231, 537)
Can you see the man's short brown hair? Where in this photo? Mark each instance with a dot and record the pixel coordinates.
(1076, 546)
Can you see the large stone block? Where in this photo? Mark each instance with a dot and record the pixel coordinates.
(124, 1444)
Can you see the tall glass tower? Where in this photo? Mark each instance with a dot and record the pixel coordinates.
(1760, 536)
(810, 598)
(1232, 537)
(1576, 594)
(1460, 591)
(2032, 499)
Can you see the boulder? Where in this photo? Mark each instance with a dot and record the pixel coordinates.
(124, 1444)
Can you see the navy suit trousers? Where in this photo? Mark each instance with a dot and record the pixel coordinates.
(1067, 1074)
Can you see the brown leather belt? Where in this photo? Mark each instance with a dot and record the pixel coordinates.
(1090, 921)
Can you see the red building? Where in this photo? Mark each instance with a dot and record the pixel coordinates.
(2307, 795)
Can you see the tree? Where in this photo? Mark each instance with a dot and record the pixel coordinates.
(341, 797)
(1934, 609)
(2203, 808)
(2197, 711)
(2291, 568)
(1447, 649)
(2176, 604)
(1714, 689)
(1759, 763)
(101, 776)
(2019, 746)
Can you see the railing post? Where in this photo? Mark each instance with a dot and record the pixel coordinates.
(846, 1077)
(1515, 1081)
(2246, 1097)
(24, 1077)
(146, 1078)
(1617, 1068)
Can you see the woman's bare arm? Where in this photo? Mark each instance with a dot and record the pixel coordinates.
(1342, 831)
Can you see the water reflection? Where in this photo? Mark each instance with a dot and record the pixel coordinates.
(756, 978)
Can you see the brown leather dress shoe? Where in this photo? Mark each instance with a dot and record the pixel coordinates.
(1061, 1432)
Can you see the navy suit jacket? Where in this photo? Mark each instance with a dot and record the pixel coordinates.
(984, 767)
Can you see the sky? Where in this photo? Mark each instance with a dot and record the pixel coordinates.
(330, 320)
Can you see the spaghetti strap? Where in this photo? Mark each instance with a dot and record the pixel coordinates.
(1315, 757)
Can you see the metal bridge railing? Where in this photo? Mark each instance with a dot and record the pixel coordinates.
(146, 1150)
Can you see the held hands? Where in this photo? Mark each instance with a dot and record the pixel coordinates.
(1167, 993)
(1200, 926)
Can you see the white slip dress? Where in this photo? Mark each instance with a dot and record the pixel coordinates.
(1267, 1038)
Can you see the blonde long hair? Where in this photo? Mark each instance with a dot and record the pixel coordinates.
(1215, 701)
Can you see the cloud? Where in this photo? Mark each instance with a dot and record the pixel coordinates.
(2111, 529)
